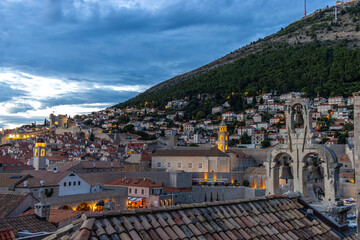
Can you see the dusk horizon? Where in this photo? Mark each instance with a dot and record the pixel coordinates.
(74, 57)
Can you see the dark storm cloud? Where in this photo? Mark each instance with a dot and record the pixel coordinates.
(88, 97)
(75, 38)
(7, 93)
(144, 43)
(20, 108)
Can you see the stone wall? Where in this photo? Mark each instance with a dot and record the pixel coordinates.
(216, 193)
(119, 196)
(258, 154)
(347, 190)
(230, 176)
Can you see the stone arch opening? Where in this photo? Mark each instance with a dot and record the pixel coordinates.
(65, 207)
(297, 116)
(299, 143)
(84, 206)
(314, 176)
(99, 206)
(274, 183)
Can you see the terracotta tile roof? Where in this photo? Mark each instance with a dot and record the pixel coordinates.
(135, 182)
(213, 152)
(10, 200)
(7, 234)
(29, 222)
(57, 215)
(11, 164)
(11, 179)
(49, 176)
(271, 217)
(100, 164)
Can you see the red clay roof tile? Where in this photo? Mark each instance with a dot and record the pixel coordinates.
(238, 219)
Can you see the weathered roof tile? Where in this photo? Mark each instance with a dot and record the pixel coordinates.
(171, 233)
(194, 229)
(178, 231)
(163, 235)
(268, 218)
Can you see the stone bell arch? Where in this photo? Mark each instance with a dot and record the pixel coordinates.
(298, 145)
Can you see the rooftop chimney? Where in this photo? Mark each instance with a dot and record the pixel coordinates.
(42, 210)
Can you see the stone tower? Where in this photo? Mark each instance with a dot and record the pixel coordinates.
(39, 162)
(299, 145)
(357, 152)
(223, 137)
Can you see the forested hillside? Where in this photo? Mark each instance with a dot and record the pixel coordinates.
(317, 55)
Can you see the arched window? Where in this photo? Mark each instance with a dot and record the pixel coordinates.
(36, 152)
(42, 152)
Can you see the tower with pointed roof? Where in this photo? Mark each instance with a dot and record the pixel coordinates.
(223, 137)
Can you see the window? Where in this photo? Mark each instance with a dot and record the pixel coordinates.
(74, 183)
(179, 165)
(169, 164)
(64, 184)
(200, 165)
(79, 183)
(142, 191)
(135, 191)
(69, 183)
(190, 165)
(159, 164)
(129, 190)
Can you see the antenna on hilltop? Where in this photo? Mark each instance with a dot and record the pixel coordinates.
(304, 8)
(335, 14)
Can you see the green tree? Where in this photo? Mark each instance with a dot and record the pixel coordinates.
(128, 128)
(245, 139)
(265, 143)
(200, 115)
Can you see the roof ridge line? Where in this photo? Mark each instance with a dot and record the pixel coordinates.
(176, 207)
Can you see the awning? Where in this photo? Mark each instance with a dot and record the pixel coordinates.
(135, 199)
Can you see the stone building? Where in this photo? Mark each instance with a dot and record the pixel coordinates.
(303, 163)
(192, 160)
(143, 192)
(58, 121)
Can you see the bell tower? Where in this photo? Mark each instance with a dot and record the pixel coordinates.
(39, 162)
(223, 137)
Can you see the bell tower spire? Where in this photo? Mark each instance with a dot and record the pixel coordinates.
(39, 162)
(223, 137)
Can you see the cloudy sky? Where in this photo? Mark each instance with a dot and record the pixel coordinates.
(78, 56)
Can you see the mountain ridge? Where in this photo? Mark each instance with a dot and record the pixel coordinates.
(319, 26)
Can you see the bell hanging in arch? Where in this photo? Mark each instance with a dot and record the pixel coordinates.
(286, 173)
(299, 120)
(315, 173)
